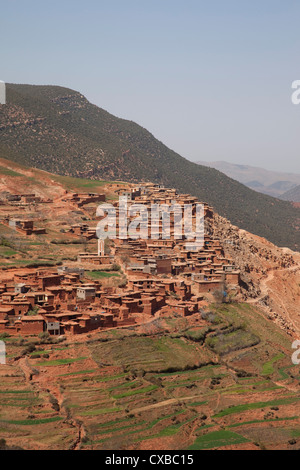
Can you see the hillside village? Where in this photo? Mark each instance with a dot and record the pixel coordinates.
(165, 333)
(149, 302)
(160, 277)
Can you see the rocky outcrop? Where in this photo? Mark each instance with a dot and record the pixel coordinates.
(270, 275)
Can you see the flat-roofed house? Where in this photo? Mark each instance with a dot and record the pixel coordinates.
(86, 292)
(32, 324)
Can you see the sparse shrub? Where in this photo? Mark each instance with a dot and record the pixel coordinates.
(122, 283)
(4, 335)
(29, 349)
(219, 296)
(2, 444)
(116, 267)
(34, 311)
(44, 336)
(125, 259)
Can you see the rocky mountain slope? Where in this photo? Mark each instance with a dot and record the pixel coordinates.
(270, 275)
(58, 130)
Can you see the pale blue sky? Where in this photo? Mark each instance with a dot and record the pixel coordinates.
(211, 79)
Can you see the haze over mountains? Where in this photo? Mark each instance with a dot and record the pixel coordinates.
(273, 183)
(104, 353)
(58, 130)
(292, 195)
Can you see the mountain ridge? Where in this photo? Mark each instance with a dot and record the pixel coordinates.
(56, 129)
(272, 183)
(292, 195)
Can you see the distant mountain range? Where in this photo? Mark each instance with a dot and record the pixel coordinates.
(56, 129)
(273, 183)
(292, 195)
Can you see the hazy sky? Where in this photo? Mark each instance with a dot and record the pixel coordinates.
(211, 79)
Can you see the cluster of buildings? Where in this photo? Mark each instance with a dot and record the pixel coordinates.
(24, 226)
(164, 276)
(60, 301)
(206, 267)
(82, 199)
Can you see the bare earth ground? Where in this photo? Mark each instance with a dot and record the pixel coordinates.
(94, 392)
(230, 384)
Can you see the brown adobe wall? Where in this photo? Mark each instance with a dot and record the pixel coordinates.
(32, 328)
(233, 278)
(209, 286)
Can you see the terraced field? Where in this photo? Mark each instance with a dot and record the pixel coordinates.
(186, 387)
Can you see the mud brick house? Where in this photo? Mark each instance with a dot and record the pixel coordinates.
(159, 264)
(7, 297)
(163, 265)
(4, 325)
(233, 278)
(86, 292)
(84, 231)
(21, 288)
(53, 328)
(30, 198)
(30, 278)
(94, 258)
(209, 286)
(36, 299)
(65, 270)
(138, 268)
(5, 312)
(50, 280)
(81, 199)
(131, 194)
(24, 226)
(151, 304)
(183, 290)
(26, 325)
(78, 322)
(13, 197)
(184, 309)
(140, 283)
(30, 325)
(60, 295)
(20, 306)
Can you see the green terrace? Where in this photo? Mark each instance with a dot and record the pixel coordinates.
(214, 440)
(101, 274)
(256, 405)
(82, 184)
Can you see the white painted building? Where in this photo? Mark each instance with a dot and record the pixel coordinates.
(2, 93)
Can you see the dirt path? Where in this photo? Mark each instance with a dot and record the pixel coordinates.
(269, 291)
(161, 404)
